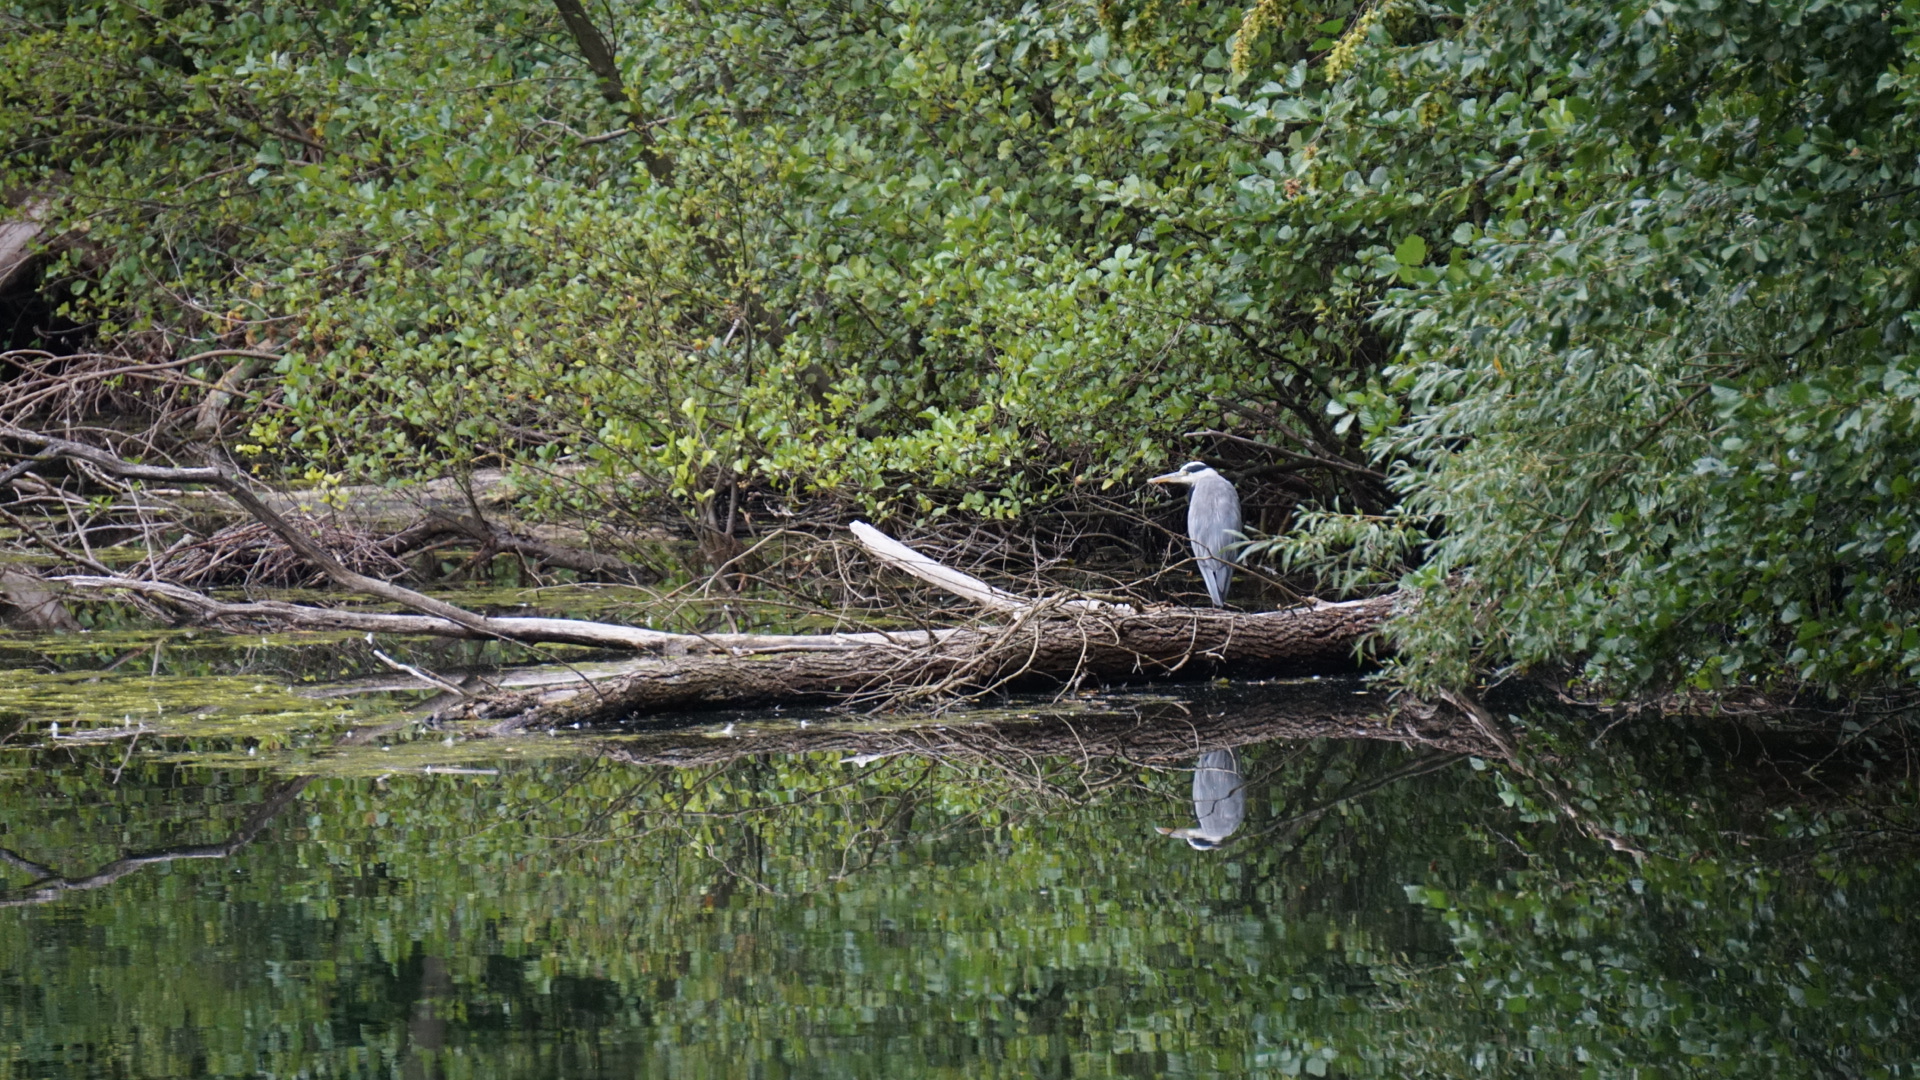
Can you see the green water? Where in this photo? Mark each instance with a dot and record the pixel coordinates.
(413, 902)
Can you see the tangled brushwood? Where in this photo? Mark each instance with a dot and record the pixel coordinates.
(254, 555)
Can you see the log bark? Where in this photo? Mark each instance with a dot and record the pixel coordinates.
(16, 239)
(1050, 648)
(28, 603)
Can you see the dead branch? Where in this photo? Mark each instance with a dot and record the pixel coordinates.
(525, 629)
(901, 557)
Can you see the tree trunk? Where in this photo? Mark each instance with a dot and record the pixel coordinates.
(1050, 648)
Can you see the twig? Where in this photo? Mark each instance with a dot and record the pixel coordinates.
(419, 673)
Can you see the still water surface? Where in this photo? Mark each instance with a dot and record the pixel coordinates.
(405, 902)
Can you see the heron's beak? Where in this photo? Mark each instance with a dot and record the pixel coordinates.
(1170, 478)
(1181, 833)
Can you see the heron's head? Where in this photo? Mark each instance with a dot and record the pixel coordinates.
(1195, 838)
(1185, 474)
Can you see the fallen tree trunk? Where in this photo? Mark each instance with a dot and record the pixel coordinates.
(1046, 643)
(1049, 642)
(1057, 641)
(1050, 648)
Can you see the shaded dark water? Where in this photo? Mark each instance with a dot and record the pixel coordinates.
(576, 907)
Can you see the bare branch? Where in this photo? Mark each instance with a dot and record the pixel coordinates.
(599, 55)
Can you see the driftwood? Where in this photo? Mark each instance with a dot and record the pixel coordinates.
(1057, 641)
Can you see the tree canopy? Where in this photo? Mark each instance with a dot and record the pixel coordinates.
(1591, 322)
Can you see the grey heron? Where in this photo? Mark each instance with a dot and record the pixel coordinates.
(1219, 801)
(1213, 523)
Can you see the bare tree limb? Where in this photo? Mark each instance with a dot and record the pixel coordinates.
(598, 53)
(235, 485)
(525, 629)
(893, 553)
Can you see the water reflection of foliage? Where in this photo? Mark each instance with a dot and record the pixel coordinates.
(1767, 933)
(992, 917)
(50, 884)
(986, 776)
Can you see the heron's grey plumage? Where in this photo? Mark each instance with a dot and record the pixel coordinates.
(1219, 801)
(1213, 524)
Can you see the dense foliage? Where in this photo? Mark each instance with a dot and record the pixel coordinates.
(1669, 376)
(950, 257)
(1591, 318)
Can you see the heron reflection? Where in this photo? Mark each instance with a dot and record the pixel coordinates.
(1219, 801)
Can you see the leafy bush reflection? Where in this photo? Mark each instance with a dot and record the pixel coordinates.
(800, 915)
